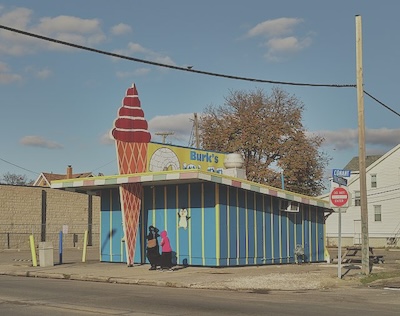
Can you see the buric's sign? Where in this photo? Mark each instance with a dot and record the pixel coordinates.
(162, 157)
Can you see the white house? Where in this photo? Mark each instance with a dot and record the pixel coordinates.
(383, 200)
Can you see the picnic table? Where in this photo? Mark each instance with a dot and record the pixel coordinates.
(353, 254)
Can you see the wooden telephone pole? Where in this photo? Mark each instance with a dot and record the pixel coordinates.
(361, 150)
(196, 130)
(164, 135)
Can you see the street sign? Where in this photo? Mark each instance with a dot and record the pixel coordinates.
(340, 180)
(341, 173)
(339, 197)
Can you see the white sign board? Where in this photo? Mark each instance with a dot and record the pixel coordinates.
(65, 229)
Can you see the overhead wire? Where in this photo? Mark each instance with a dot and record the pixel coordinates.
(381, 103)
(53, 40)
(19, 166)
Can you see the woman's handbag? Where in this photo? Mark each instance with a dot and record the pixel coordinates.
(152, 243)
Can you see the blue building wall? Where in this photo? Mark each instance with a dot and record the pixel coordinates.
(227, 226)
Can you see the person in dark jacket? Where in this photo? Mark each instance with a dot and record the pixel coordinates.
(153, 250)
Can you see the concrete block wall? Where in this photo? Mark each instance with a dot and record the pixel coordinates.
(68, 212)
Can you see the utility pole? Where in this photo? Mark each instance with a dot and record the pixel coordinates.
(361, 150)
(196, 130)
(164, 135)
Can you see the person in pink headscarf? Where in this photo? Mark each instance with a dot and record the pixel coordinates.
(166, 255)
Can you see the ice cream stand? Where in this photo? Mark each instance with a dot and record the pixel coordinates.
(213, 215)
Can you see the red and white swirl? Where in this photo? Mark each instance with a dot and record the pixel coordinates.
(130, 125)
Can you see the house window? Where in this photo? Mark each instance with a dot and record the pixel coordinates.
(357, 198)
(377, 213)
(373, 181)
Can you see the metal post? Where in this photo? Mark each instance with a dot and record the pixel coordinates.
(361, 150)
(340, 244)
(33, 250)
(60, 242)
(85, 239)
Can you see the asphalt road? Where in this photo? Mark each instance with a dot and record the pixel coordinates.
(30, 296)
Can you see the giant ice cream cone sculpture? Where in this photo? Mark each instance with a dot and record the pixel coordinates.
(132, 138)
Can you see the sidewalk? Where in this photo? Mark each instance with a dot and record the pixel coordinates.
(272, 277)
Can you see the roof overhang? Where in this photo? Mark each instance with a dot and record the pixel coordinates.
(93, 184)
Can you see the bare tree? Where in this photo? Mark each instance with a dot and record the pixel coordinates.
(268, 131)
(15, 179)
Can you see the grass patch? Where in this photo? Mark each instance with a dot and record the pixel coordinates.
(380, 276)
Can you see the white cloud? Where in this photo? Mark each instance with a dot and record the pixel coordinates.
(38, 141)
(107, 139)
(43, 73)
(278, 42)
(66, 28)
(136, 48)
(287, 44)
(179, 124)
(17, 18)
(6, 76)
(272, 28)
(121, 29)
(70, 29)
(348, 138)
(163, 60)
(70, 24)
(138, 51)
(137, 72)
(9, 78)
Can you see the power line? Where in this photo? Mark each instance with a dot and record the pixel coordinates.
(19, 166)
(172, 66)
(106, 164)
(189, 69)
(381, 103)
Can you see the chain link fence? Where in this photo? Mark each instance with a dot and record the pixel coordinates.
(71, 235)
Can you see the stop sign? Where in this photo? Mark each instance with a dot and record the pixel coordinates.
(339, 197)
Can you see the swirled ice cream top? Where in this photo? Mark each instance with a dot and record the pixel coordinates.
(130, 125)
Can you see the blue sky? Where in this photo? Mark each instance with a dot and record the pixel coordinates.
(58, 103)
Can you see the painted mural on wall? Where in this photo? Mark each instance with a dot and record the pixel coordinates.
(183, 218)
(164, 157)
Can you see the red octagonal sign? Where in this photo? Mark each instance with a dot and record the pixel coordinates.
(339, 197)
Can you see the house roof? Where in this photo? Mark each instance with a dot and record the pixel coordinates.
(48, 177)
(181, 176)
(353, 165)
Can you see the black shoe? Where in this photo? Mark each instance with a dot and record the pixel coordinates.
(152, 268)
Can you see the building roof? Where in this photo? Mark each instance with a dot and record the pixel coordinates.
(181, 176)
(353, 165)
(45, 178)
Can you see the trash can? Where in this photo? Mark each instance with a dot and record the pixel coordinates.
(46, 254)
